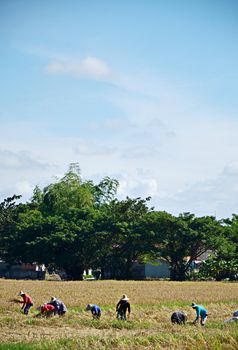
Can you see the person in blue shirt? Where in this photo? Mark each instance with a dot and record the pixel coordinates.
(234, 318)
(201, 313)
(95, 310)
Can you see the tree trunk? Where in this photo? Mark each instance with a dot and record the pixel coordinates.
(75, 273)
(102, 273)
(127, 273)
(177, 273)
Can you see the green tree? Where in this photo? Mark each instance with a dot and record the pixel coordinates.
(61, 225)
(8, 214)
(223, 263)
(219, 267)
(67, 193)
(106, 190)
(181, 240)
(124, 237)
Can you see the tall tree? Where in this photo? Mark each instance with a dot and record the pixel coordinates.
(68, 192)
(223, 263)
(126, 240)
(181, 240)
(61, 226)
(8, 214)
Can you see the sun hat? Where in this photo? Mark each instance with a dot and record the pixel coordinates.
(124, 297)
(53, 298)
(193, 304)
(21, 293)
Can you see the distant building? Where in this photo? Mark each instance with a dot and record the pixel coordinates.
(196, 264)
(157, 269)
(22, 271)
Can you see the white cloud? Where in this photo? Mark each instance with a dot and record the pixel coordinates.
(139, 152)
(180, 143)
(90, 67)
(118, 124)
(137, 185)
(231, 169)
(217, 197)
(92, 149)
(24, 188)
(19, 161)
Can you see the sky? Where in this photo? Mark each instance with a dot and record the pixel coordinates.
(143, 91)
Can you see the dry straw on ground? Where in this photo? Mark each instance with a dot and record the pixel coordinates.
(149, 326)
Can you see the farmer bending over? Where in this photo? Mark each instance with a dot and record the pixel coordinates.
(95, 310)
(234, 317)
(27, 302)
(201, 313)
(122, 307)
(60, 307)
(46, 310)
(179, 317)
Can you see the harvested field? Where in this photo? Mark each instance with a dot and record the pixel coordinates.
(149, 326)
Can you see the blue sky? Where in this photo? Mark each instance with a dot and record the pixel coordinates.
(142, 91)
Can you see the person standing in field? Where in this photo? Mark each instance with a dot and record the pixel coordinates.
(95, 310)
(201, 313)
(123, 308)
(60, 307)
(27, 302)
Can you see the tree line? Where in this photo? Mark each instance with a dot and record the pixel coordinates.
(74, 225)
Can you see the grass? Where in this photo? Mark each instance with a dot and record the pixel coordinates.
(149, 326)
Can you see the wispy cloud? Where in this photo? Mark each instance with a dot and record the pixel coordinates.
(231, 169)
(19, 161)
(136, 185)
(89, 67)
(92, 149)
(145, 122)
(137, 152)
(216, 196)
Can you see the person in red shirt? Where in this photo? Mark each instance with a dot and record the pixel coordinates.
(27, 302)
(47, 310)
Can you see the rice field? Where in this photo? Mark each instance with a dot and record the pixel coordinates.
(149, 326)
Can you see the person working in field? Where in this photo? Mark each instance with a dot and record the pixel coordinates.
(95, 310)
(179, 317)
(123, 308)
(234, 317)
(60, 307)
(201, 313)
(46, 310)
(27, 302)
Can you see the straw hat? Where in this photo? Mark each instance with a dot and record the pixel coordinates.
(21, 293)
(124, 297)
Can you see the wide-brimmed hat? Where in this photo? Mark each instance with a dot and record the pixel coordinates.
(124, 297)
(53, 298)
(193, 304)
(21, 293)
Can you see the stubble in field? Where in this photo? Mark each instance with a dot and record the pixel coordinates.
(149, 326)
